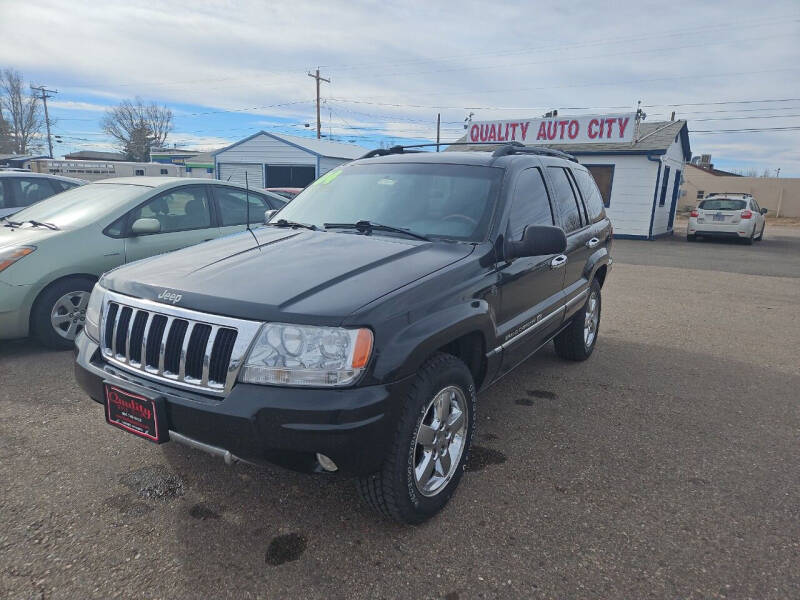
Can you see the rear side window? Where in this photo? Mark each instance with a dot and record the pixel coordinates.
(531, 205)
(592, 198)
(564, 197)
(722, 204)
(232, 205)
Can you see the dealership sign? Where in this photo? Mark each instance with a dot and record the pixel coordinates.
(588, 129)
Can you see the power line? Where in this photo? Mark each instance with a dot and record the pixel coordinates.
(747, 130)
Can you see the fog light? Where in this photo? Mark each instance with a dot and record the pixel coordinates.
(326, 463)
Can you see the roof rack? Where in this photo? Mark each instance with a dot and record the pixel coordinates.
(504, 149)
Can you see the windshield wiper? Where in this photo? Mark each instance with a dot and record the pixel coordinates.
(11, 223)
(285, 223)
(368, 227)
(40, 224)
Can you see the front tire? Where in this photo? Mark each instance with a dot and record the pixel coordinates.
(577, 341)
(426, 460)
(59, 313)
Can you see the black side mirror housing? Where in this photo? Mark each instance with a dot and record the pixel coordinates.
(763, 211)
(537, 240)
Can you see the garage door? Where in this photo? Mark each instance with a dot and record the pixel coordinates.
(235, 173)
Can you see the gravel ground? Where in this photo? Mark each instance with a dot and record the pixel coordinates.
(665, 466)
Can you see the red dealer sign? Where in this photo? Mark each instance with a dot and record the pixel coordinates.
(556, 130)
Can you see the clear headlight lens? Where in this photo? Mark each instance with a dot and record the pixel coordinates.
(305, 355)
(11, 255)
(92, 323)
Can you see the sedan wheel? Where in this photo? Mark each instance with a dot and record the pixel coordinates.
(69, 314)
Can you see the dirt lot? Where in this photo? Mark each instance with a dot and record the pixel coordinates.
(665, 466)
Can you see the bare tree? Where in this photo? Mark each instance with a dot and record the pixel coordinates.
(23, 112)
(137, 127)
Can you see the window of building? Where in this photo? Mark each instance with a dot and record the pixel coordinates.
(139, 172)
(700, 194)
(664, 183)
(531, 205)
(210, 170)
(163, 171)
(564, 197)
(604, 178)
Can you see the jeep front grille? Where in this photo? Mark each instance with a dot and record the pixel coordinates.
(175, 345)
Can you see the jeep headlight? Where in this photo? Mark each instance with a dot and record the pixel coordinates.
(92, 323)
(304, 355)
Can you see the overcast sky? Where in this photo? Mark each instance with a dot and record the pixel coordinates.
(228, 69)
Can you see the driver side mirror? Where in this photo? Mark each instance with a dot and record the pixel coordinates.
(145, 225)
(537, 240)
(269, 214)
(763, 211)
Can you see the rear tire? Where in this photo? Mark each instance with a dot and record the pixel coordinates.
(761, 235)
(577, 341)
(749, 241)
(404, 489)
(691, 238)
(58, 314)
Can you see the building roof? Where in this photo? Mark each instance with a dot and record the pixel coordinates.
(172, 152)
(95, 155)
(654, 137)
(312, 145)
(205, 159)
(713, 171)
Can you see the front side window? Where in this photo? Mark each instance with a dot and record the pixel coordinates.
(438, 200)
(28, 191)
(232, 205)
(564, 196)
(531, 205)
(177, 210)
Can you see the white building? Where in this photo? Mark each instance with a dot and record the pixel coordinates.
(93, 170)
(640, 181)
(280, 160)
(637, 167)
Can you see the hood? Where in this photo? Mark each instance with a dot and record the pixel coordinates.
(26, 235)
(273, 274)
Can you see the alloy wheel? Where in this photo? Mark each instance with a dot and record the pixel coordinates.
(68, 314)
(591, 320)
(440, 441)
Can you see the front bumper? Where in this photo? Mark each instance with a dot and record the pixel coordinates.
(15, 310)
(268, 424)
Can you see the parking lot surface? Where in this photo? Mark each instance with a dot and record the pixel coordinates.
(664, 466)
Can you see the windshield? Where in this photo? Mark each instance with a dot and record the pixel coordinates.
(434, 200)
(81, 205)
(723, 204)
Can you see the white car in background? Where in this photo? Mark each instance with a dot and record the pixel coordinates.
(727, 215)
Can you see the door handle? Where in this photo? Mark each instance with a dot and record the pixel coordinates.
(558, 262)
(593, 243)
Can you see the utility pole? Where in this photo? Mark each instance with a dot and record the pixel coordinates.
(318, 78)
(44, 91)
(438, 128)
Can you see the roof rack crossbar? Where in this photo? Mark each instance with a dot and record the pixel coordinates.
(504, 149)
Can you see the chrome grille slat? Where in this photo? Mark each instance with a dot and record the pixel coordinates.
(214, 346)
(207, 354)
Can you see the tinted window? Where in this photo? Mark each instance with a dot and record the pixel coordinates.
(723, 204)
(27, 191)
(444, 200)
(177, 210)
(591, 194)
(232, 206)
(603, 176)
(564, 197)
(63, 185)
(531, 206)
(664, 184)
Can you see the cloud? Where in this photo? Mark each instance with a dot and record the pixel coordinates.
(73, 105)
(399, 64)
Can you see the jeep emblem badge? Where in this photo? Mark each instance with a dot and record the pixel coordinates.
(168, 296)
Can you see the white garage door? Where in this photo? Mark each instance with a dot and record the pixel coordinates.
(234, 172)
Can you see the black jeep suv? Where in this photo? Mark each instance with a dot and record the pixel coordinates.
(353, 331)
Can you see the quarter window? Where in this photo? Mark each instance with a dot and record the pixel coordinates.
(531, 206)
(591, 195)
(603, 176)
(178, 210)
(232, 206)
(564, 197)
